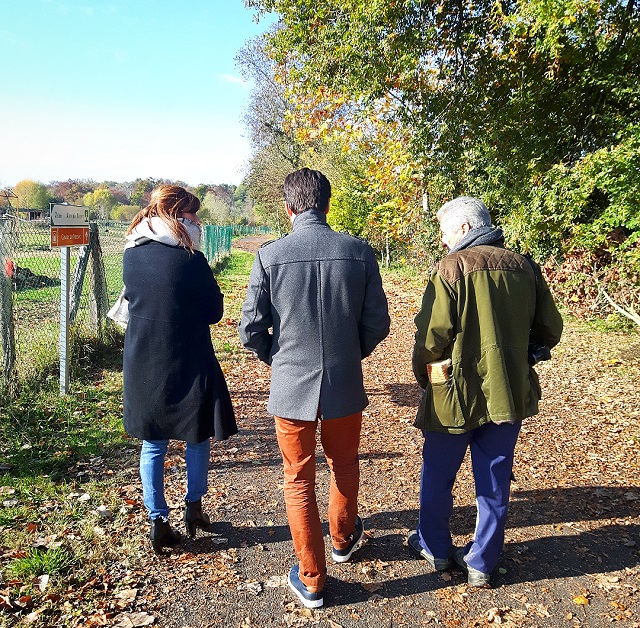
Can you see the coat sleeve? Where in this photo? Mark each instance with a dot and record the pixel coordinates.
(547, 322)
(256, 319)
(213, 299)
(435, 326)
(374, 322)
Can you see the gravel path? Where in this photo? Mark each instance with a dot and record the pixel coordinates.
(572, 548)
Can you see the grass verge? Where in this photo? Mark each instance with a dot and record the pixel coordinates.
(232, 275)
(72, 525)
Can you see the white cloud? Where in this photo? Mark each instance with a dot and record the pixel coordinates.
(233, 79)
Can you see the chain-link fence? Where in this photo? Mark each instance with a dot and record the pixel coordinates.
(30, 288)
(30, 295)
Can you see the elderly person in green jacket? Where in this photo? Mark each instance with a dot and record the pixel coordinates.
(486, 316)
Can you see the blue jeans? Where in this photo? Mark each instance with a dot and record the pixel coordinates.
(492, 448)
(152, 474)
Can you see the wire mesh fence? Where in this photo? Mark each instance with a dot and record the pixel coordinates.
(30, 320)
(30, 290)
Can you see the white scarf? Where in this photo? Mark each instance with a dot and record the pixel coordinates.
(162, 233)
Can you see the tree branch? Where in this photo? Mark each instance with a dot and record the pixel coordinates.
(630, 313)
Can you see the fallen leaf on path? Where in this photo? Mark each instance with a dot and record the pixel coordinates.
(251, 586)
(103, 511)
(134, 620)
(494, 615)
(372, 587)
(41, 582)
(126, 597)
(275, 581)
(5, 602)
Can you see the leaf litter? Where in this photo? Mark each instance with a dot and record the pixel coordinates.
(571, 547)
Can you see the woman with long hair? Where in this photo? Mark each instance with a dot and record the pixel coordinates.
(173, 385)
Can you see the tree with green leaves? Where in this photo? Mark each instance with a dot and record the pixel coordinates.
(141, 194)
(215, 210)
(492, 94)
(532, 105)
(31, 195)
(124, 213)
(101, 201)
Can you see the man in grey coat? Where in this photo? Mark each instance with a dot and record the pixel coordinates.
(315, 308)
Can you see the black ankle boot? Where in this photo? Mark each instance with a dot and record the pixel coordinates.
(162, 535)
(194, 517)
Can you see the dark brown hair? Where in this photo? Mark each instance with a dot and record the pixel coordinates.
(169, 202)
(306, 190)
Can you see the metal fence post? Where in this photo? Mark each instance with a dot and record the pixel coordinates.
(65, 257)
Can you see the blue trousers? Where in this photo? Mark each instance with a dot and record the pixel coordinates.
(492, 448)
(152, 474)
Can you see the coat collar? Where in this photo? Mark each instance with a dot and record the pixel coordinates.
(309, 219)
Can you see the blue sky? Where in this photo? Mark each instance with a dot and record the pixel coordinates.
(115, 90)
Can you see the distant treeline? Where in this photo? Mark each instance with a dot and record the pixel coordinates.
(222, 204)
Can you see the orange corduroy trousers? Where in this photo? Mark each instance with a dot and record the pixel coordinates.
(340, 440)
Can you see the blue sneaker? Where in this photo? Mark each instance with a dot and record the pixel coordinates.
(308, 599)
(439, 564)
(343, 555)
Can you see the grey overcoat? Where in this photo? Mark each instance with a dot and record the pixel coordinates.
(315, 308)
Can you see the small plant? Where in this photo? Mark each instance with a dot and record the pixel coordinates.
(38, 562)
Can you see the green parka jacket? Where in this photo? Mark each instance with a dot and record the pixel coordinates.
(479, 308)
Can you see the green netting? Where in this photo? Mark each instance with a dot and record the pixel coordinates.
(248, 230)
(216, 242)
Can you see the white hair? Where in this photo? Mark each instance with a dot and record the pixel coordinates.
(455, 213)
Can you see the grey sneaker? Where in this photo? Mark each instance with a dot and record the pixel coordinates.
(439, 564)
(343, 555)
(474, 577)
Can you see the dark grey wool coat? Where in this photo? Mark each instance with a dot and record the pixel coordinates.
(320, 293)
(173, 385)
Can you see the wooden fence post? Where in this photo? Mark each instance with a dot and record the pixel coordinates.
(77, 281)
(6, 303)
(99, 298)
